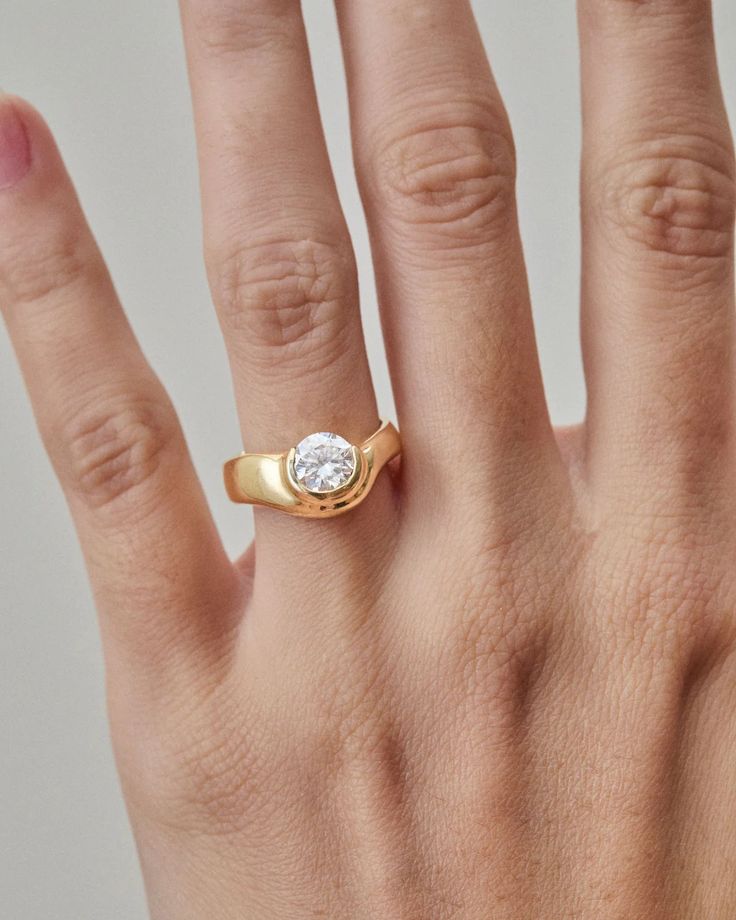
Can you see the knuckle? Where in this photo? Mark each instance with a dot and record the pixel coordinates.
(680, 205)
(211, 786)
(287, 298)
(450, 174)
(667, 595)
(207, 764)
(227, 27)
(114, 450)
(647, 18)
(37, 273)
(604, 10)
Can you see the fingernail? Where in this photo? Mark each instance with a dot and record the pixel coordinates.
(15, 149)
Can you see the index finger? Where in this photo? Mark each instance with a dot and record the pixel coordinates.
(161, 578)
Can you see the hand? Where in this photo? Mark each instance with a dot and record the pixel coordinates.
(504, 686)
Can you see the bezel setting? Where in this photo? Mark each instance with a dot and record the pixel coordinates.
(332, 499)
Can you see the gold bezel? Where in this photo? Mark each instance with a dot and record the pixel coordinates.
(336, 498)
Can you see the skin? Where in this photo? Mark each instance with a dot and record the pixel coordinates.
(498, 689)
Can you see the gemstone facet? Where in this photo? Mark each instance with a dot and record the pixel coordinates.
(324, 463)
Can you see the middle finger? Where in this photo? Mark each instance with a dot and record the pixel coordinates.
(279, 256)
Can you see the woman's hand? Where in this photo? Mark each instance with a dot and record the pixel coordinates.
(505, 685)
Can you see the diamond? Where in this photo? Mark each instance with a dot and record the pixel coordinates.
(324, 462)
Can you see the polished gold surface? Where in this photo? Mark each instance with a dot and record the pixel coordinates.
(268, 480)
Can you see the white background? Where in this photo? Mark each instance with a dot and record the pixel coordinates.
(110, 78)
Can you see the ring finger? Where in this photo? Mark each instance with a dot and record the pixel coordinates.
(278, 252)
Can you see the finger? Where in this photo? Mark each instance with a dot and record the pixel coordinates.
(279, 256)
(162, 580)
(658, 212)
(436, 165)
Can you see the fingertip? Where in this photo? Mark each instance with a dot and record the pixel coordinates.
(27, 146)
(15, 143)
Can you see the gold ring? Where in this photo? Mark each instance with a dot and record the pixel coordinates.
(323, 476)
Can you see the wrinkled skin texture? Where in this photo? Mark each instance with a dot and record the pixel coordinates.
(501, 688)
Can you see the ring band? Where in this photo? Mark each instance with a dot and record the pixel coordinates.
(323, 476)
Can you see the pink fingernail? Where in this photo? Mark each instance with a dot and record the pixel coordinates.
(15, 149)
